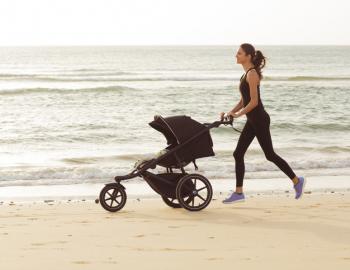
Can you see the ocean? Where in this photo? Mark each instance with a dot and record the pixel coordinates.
(75, 115)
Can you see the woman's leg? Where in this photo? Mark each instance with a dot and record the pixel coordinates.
(262, 130)
(243, 143)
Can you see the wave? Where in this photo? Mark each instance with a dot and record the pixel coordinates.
(64, 90)
(214, 169)
(293, 149)
(92, 75)
(306, 78)
(56, 76)
(312, 126)
(112, 78)
(113, 158)
(341, 125)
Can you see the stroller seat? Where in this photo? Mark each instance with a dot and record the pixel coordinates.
(140, 162)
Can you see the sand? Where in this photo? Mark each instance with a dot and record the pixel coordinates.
(264, 232)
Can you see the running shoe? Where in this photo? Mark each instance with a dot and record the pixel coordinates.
(235, 197)
(299, 187)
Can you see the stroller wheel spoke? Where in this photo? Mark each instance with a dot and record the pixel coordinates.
(201, 189)
(201, 197)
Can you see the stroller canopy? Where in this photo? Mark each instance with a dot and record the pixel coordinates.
(180, 128)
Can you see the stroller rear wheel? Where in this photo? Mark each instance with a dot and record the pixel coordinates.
(194, 192)
(113, 197)
(172, 202)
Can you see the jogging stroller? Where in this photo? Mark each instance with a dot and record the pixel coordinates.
(187, 141)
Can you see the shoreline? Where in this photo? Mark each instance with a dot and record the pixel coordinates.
(140, 189)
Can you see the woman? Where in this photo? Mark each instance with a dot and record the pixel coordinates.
(258, 122)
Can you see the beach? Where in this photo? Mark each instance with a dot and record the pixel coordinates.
(266, 231)
(74, 117)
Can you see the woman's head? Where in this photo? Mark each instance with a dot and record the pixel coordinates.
(247, 54)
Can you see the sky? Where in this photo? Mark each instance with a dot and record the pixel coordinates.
(174, 22)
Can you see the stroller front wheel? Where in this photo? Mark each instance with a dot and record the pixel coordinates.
(113, 197)
(194, 192)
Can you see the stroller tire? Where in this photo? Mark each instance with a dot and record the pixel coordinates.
(199, 189)
(113, 197)
(170, 202)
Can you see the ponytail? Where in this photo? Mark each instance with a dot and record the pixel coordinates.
(258, 59)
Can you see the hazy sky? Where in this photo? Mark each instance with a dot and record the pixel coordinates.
(166, 22)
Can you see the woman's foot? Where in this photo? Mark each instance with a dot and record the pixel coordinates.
(299, 187)
(235, 197)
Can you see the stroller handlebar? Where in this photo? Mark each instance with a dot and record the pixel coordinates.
(225, 121)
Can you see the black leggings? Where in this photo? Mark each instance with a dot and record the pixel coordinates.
(259, 127)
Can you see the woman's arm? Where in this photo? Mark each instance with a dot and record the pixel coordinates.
(238, 106)
(253, 80)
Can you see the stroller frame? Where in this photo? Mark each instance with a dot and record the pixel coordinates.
(182, 188)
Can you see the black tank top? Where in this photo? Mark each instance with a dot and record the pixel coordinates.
(245, 91)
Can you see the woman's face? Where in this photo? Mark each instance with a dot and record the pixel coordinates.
(242, 57)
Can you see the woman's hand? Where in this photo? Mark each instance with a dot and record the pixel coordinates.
(222, 114)
(228, 114)
(233, 114)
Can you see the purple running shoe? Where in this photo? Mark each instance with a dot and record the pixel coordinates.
(235, 197)
(299, 187)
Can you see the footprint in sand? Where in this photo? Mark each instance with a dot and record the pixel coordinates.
(80, 262)
(47, 243)
(83, 221)
(61, 242)
(182, 249)
(38, 244)
(214, 259)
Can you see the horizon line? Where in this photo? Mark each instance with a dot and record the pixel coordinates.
(159, 45)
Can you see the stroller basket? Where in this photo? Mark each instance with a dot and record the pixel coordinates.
(165, 183)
